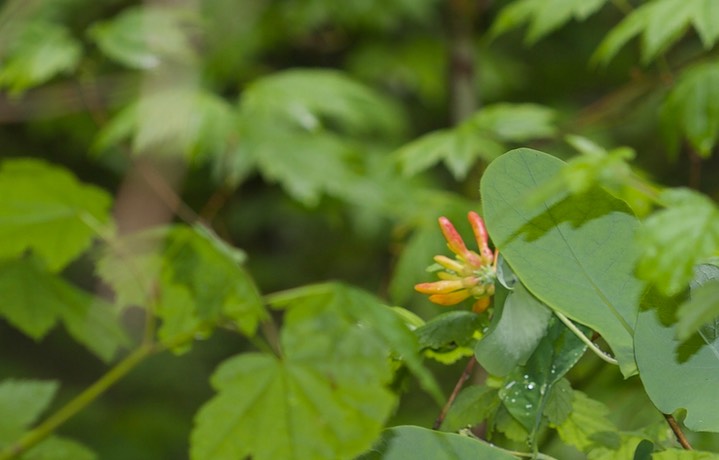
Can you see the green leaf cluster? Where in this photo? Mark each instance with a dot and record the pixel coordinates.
(543, 17)
(325, 395)
(661, 23)
(483, 136)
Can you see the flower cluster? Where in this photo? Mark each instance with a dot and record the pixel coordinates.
(469, 274)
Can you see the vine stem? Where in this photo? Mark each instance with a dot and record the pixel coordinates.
(595, 349)
(78, 403)
(458, 386)
(674, 425)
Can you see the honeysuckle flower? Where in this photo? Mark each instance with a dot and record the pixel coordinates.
(469, 274)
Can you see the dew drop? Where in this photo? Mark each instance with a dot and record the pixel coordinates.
(531, 385)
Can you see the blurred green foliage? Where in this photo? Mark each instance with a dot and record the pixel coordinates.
(314, 135)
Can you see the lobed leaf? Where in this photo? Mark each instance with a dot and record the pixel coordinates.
(145, 37)
(588, 417)
(677, 238)
(22, 402)
(482, 136)
(175, 120)
(34, 300)
(661, 23)
(543, 16)
(189, 276)
(38, 53)
(327, 396)
(687, 112)
(574, 254)
(44, 208)
(473, 404)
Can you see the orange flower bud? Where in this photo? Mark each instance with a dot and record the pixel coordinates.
(449, 299)
(480, 305)
(439, 287)
(481, 235)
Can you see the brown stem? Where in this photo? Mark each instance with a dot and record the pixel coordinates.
(695, 169)
(463, 93)
(678, 431)
(463, 378)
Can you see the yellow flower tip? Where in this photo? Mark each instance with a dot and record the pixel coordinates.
(449, 264)
(481, 305)
(452, 298)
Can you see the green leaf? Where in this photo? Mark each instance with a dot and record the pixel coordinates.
(515, 331)
(211, 271)
(559, 402)
(174, 120)
(449, 330)
(677, 238)
(482, 136)
(44, 208)
(575, 254)
(35, 299)
(687, 111)
(327, 396)
(405, 442)
(681, 454)
(527, 389)
(588, 417)
(58, 448)
(516, 122)
(358, 306)
(189, 276)
(661, 23)
(39, 52)
(700, 309)
(543, 16)
(317, 99)
(473, 404)
(145, 38)
(678, 375)
(21, 403)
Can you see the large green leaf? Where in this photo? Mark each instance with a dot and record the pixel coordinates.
(677, 238)
(514, 333)
(406, 442)
(688, 112)
(575, 254)
(45, 209)
(34, 300)
(678, 375)
(326, 396)
(543, 16)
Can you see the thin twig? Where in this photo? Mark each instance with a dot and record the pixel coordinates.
(674, 425)
(463, 378)
(595, 349)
